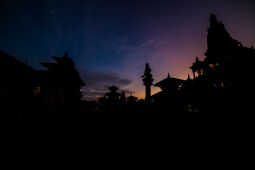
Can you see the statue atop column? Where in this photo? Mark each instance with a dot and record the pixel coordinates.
(147, 81)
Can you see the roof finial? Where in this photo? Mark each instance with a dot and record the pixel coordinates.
(66, 54)
(188, 77)
(197, 58)
(168, 75)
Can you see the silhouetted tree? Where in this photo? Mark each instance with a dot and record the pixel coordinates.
(147, 81)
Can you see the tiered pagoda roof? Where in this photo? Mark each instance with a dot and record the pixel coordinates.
(168, 82)
(64, 66)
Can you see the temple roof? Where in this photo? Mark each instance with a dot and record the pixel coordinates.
(50, 66)
(197, 64)
(168, 81)
(64, 60)
(58, 59)
(12, 69)
(12, 63)
(65, 68)
(219, 38)
(131, 98)
(159, 95)
(113, 88)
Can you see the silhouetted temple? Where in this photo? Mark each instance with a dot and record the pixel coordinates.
(17, 82)
(170, 87)
(113, 100)
(61, 83)
(113, 95)
(227, 68)
(225, 74)
(227, 62)
(21, 85)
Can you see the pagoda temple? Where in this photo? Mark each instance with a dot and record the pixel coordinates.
(61, 82)
(225, 76)
(113, 95)
(227, 63)
(21, 85)
(169, 87)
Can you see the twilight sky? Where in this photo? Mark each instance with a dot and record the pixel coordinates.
(111, 40)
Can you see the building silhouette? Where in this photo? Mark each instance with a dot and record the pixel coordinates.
(17, 83)
(61, 82)
(23, 86)
(227, 70)
(169, 89)
(113, 96)
(223, 76)
(227, 60)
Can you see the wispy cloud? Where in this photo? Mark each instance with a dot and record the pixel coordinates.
(151, 41)
(98, 83)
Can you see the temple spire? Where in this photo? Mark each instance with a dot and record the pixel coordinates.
(188, 77)
(197, 58)
(168, 75)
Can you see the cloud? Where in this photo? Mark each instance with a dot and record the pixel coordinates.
(92, 93)
(97, 83)
(104, 78)
(151, 41)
